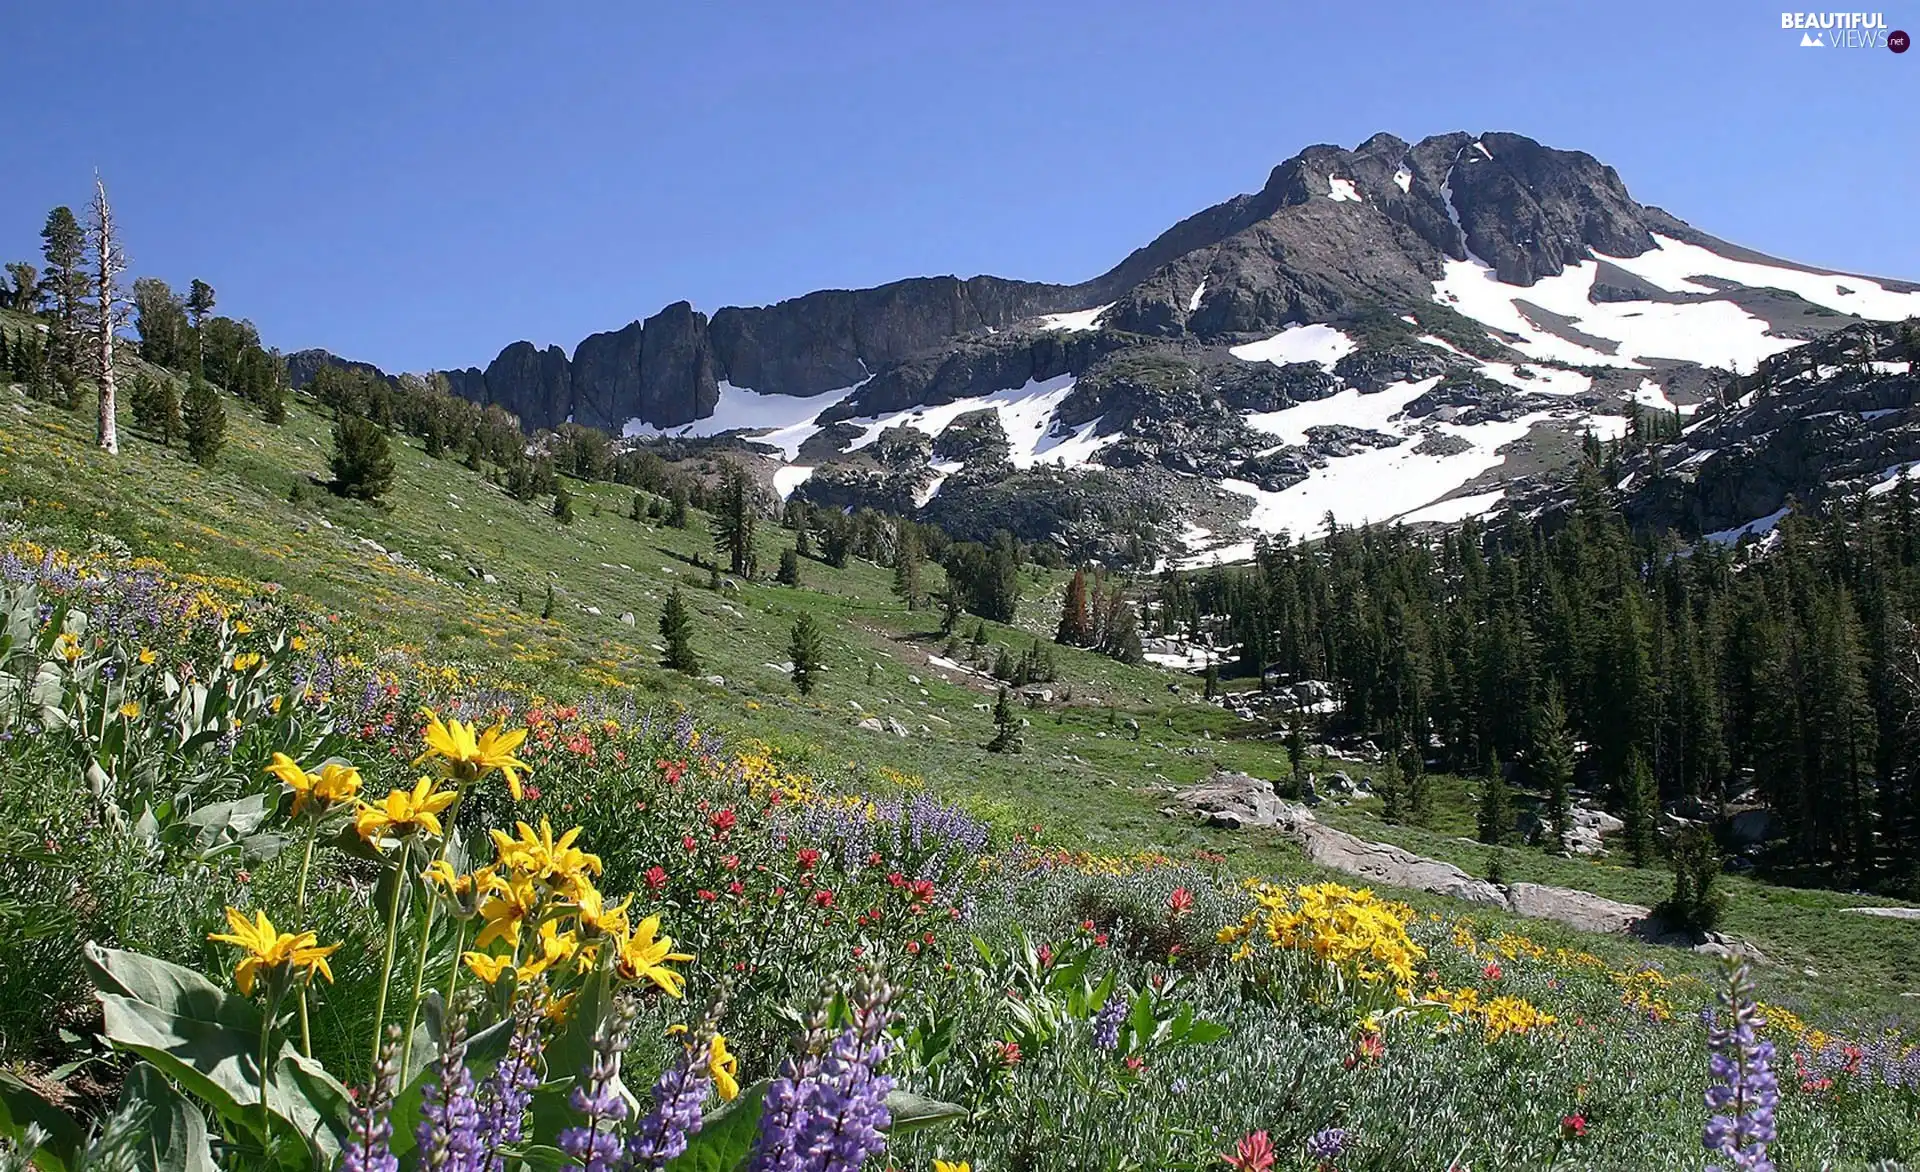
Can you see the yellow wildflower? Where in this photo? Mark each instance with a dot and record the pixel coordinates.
(405, 811)
(131, 710)
(644, 955)
(952, 1166)
(242, 627)
(539, 855)
(472, 753)
(551, 948)
(487, 968)
(724, 1068)
(336, 782)
(297, 643)
(268, 949)
(147, 657)
(596, 918)
(511, 903)
(67, 646)
(247, 660)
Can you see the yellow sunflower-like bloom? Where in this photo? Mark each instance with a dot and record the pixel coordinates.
(510, 903)
(472, 753)
(644, 956)
(951, 1166)
(247, 660)
(552, 947)
(725, 1069)
(596, 918)
(147, 657)
(267, 949)
(131, 710)
(487, 968)
(539, 855)
(405, 811)
(335, 782)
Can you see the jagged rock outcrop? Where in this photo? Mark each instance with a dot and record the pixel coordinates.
(1333, 233)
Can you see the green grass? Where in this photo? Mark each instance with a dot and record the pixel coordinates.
(1082, 775)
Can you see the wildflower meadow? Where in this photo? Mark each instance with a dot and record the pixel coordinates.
(273, 898)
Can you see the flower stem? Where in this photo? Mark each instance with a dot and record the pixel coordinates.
(306, 867)
(426, 939)
(386, 969)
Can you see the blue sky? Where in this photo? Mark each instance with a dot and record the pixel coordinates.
(418, 184)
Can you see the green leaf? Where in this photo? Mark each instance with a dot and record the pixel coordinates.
(175, 1131)
(1205, 1032)
(21, 1105)
(726, 1135)
(309, 1102)
(197, 1035)
(912, 1112)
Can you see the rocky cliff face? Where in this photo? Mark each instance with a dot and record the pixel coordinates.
(1288, 253)
(1399, 331)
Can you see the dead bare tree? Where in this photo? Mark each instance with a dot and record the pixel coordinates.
(109, 309)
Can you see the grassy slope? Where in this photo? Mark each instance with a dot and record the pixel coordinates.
(1081, 775)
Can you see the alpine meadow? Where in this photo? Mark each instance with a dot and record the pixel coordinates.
(1415, 668)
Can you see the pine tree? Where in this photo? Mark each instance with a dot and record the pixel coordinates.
(638, 511)
(156, 407)
(1076, 619)
(949, 598)
(805, 652)
(1551, 766)
(546, 604)
(677, 515)
(908, 557)
(1296, 745)
(25, 295)
(1006, 726)
(1694, 905)
(200, 301)
(676, 628)
(1496, 802)
(562, 504)
(1640, 811)
(789, 572)
(1210, 679)
(362, 459)
(732, 522)
(63, 245)
(205, 421)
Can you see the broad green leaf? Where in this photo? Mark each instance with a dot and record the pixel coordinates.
(174, 1135)
(21, 1105)
(204, 1039)
(310, 1103)
(912, 1112)
(726, 1135)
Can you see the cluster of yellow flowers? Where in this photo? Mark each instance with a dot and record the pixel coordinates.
(1499, 1016)
(1345, 928)
(539, 910)
(1644, 990)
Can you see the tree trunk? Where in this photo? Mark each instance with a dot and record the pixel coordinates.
(108, 263)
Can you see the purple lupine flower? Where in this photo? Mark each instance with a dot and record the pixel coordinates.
(1744, 1093)
(448, 1132)
(678, 1096)
(847, 1115)
(1106, 1023)
(595, 1147)
(367, 1148)
(1325, 1146)
(784, 1109)
(508, 1091)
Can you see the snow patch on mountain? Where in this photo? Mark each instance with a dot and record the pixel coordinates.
(1342, 191)
(784, 421)
(1079, 319)
(1672, 264)
(1027, 414)
(1313, 343)
(1193, 302)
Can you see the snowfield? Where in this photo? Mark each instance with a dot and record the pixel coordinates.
(1027, 415)
(1322, 344)
(785, 421)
